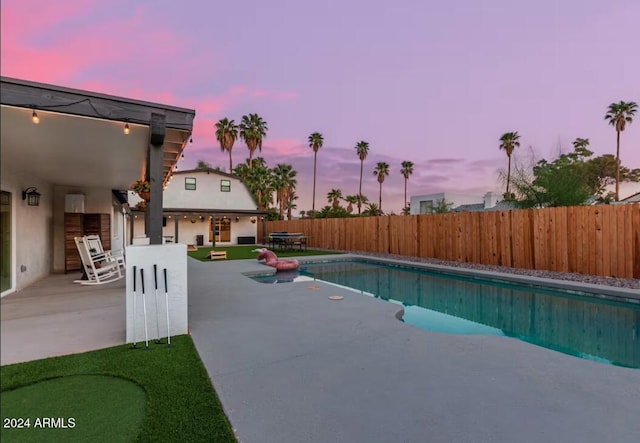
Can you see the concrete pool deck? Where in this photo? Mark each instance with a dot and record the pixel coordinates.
(290, 365)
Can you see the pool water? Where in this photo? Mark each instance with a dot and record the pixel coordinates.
(597, 329)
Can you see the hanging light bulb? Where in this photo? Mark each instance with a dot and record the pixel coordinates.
(34, 117)
(191, 140)
(182, 155)
(126, 129)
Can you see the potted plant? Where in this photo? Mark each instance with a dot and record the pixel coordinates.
(141, 206)
(142, 188)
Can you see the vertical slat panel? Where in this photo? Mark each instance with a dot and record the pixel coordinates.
(597, 220)
(575, 238)
(627, 243)
(613, 241)
(635, 234)
(550, 240)
(562, 240)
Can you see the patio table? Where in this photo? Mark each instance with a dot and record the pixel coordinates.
(288, 240)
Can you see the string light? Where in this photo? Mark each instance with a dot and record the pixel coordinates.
(34, 117)
(126, 129)
(191, 140)
(182, 155)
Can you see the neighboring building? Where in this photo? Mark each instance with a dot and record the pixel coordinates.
(206, 205)
(64, 153)
(635, 198)
(426, 204)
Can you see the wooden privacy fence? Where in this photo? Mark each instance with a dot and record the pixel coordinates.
(597, 240)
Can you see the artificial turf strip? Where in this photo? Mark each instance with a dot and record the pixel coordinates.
(181, 404)
(246, 252)
(103, 409)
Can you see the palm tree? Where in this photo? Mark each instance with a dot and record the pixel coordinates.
(227, 134)
(334, 197)
(259, 180)
(381, 171)
(292, 196)
(315, 142)
(509, 141)
(580, 143)
(362, 148)
(372, 210)
(406, 171)
(284, 182)
(618, 115)
(351, 199)
(253, 129)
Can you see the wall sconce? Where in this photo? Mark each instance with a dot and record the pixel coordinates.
(34, 117)
(126, 129)
(237, 219)
(253, 219)
(32, 196)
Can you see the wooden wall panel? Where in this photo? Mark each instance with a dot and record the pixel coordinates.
(597, 240)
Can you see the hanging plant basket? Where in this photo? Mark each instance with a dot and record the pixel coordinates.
(143, 189)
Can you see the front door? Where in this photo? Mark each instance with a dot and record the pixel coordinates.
(222, 230)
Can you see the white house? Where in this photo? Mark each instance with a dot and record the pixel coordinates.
(426, 204)
(65, 156)
(206, 207)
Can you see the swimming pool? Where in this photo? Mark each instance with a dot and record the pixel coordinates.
(588, 327)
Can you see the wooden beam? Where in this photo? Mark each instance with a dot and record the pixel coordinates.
(155, 175)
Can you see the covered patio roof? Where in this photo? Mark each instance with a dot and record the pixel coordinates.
(80, 137)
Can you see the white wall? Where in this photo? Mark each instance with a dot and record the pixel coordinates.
(31, 229)
(97, 201)
(207, 194)
(450, 197)
(174, 259)
(188, 231)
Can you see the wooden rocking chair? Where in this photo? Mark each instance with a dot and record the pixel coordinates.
(100, 266)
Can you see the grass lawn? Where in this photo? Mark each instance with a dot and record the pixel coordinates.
(245, 252)
(115, 394)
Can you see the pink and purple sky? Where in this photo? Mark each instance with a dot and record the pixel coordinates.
(433, 82)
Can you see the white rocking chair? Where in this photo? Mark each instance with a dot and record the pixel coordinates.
(100, 266)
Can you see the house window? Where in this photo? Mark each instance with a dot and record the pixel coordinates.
(426, 207)
(225, 185)
(190, 183)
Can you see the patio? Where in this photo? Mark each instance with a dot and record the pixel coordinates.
(55, 316)
(291, 365)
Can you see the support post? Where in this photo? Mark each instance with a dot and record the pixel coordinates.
(176, 220)
(155, 176)
(213, 240)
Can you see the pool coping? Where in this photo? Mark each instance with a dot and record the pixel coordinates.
(587, 289)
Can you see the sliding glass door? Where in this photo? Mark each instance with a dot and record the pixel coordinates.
(5, 241)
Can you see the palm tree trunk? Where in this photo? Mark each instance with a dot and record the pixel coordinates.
(618, 166)
(405, 193)
(313, 202)
(360, 186)
(508, 175)
(230, 163)
(380, 197)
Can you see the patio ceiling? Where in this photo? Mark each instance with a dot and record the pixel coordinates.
(80, 138)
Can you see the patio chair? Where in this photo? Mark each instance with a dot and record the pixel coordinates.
(100, 266)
